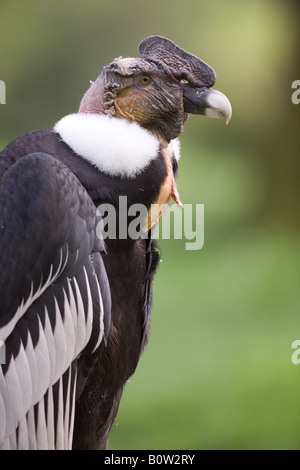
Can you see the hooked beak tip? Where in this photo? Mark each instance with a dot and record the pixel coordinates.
(218, 105)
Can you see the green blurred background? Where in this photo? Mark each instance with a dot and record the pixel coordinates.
(217, 373)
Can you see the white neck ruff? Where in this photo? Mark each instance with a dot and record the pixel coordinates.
(115, 146)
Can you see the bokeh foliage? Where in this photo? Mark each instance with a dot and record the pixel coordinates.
(217, 372)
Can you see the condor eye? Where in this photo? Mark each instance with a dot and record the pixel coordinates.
(145, 80)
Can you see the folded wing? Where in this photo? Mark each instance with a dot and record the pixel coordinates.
(54, 301)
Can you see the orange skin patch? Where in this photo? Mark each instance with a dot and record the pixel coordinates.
(168, 191)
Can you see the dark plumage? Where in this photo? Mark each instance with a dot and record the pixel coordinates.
(74, 308)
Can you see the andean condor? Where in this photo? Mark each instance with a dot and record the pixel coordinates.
(75, 307)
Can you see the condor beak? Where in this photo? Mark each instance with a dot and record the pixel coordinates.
(210, 103)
